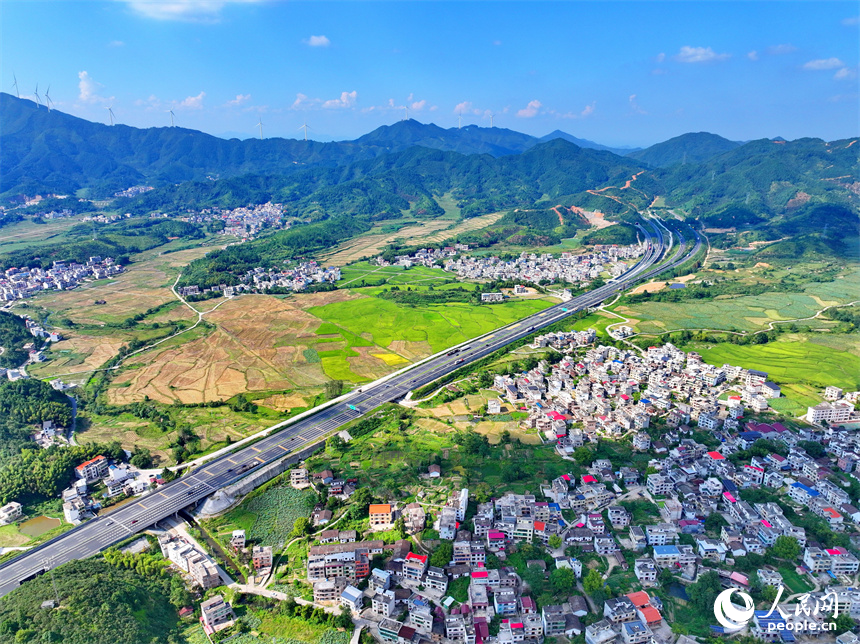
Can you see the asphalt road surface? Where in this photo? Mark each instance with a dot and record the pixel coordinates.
(98, 534)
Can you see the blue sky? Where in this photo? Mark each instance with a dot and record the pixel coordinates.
(618, 73)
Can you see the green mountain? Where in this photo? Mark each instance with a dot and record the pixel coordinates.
(769, 177)
(692, 148)
(56, 152)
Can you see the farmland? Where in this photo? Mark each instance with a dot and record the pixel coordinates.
(267, 515)
(423, 232)
(422, 330)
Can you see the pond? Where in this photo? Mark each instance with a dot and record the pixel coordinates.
(38, 526)
(678, 590)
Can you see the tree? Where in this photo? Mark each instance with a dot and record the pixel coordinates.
(301, 527)
(786, 548)
(335, 444)
(583, 456)
(562, 581)
(714, 522)
(844, 623)
(704, 592)
(442, 555)
(333, 389)
(141, 458)
(592, 582)
(555, 542)
(768, 593)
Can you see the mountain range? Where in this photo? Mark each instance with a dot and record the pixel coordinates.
(409, 165)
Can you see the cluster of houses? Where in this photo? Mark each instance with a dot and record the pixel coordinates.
(429, 257)
(260, 280)
(614, 392)
(134, 191)
(20, 283)
(118, 479)
(546, 267)
(245, 223)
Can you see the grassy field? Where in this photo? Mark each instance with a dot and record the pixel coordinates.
(26, 233)
(422, 329)
(792, 362)
(424, 232)
(267, 517)
(744, 313)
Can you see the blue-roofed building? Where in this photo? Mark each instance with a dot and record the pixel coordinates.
(666, 555)
(770, 628)
(635, 632)
(729, 486)
(747, 439)
(801, 493)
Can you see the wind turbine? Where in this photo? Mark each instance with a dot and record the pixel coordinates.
(110, 113)
(305, 128)
(491, 119)
(407, 112)
(171, 117)
(48, 101)
(36, 94)
(260, 125)
(15, 85)
(459, 120)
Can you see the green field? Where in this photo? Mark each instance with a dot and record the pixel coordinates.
(440, 326)
(744, 313)
(791, 362)
(267, 517)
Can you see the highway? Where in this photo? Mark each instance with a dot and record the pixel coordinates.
(98, 534)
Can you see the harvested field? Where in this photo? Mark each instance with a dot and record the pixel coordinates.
(372, 244)
(144, 285)
(259, 344)
(79, 354)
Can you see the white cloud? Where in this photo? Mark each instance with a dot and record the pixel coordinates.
(208, 11)
(116, 43)
(753, 55)
(461, 108)
(317, 41)
(699, 55)
(661, 57)
(192, 102)
(853, 21)
(531, 110)
(635, 105)
(588, 110)
(239, 100)
(301, 102)
(780, 50)
(846, 73)
(88, 89)
(823, 63)
(347, 99)
(418, 105)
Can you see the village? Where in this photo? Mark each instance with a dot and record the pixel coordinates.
(699, 525)
(260, 280)
(20, 283)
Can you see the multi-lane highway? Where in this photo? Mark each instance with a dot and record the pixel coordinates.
(94, 536)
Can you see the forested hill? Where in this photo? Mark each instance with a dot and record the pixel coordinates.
(58, 152)
(693, 148)
(383, 187)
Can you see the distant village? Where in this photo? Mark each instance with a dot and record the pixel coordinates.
(20, 283)
(245, 223)
(260, 280)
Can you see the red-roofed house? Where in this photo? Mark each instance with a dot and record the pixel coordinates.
(650, 615)
(93, 469)
(716, 456)
(588, 478)
(414, 566)
(495, 540)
